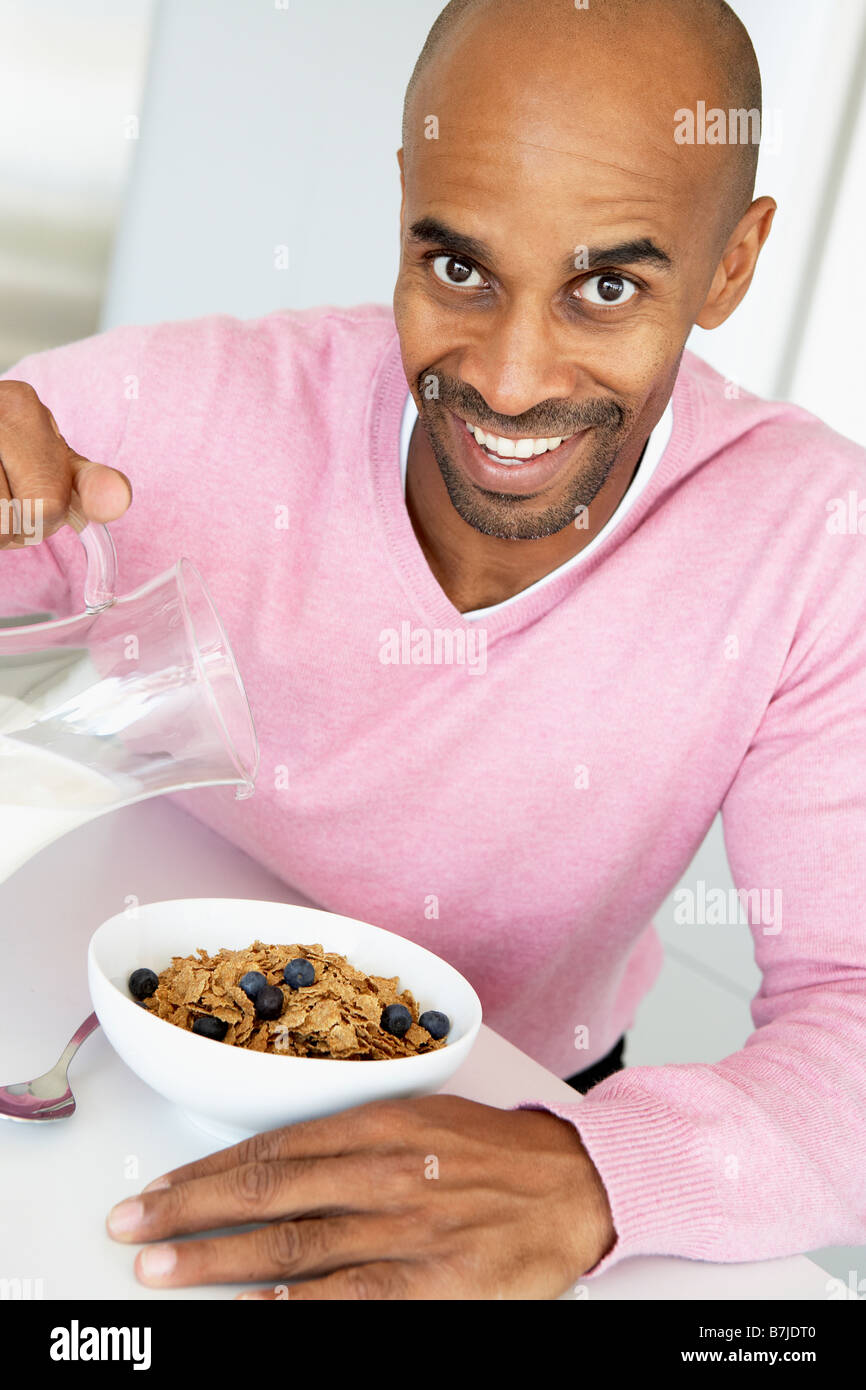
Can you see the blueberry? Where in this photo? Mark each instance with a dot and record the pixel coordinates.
(251, 983)
(142, 983)
(269, 1002)
(437, 1025)
(299, 972)
(396, 1019)
(208, 1027)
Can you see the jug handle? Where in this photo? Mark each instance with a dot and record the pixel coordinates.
(100, 583)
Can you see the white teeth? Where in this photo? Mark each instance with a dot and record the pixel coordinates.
(514, 449)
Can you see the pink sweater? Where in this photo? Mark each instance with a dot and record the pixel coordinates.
(525, 813)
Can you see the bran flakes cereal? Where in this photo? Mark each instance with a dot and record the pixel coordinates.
(336, 1016)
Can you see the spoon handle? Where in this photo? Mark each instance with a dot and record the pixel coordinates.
(76, 1040)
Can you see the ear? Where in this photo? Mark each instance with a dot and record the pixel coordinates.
(737, 265)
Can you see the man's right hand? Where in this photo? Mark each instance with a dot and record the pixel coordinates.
(37, 467)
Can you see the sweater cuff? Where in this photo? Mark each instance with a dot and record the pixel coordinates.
(657, 1172)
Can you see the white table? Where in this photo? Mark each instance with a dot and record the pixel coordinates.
(59, 1180)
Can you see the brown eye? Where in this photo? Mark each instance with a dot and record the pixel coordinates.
(452, 271)
(607, 289)
(611, 288)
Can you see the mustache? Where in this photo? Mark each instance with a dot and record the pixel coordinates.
(544, 421)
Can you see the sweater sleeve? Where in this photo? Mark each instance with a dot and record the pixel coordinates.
(763, 1154)
(87, 386)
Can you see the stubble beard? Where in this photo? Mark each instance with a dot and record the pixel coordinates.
(511, 518)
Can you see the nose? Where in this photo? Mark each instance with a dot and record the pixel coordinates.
(517, 360)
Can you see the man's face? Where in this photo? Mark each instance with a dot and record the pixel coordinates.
(555, 254)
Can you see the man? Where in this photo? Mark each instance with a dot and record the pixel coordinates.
(646, 619)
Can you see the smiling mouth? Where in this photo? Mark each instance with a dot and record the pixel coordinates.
(514, 452)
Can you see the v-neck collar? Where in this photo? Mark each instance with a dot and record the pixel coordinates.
(410, 563)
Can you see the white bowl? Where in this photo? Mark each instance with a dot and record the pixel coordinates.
(229, 1091)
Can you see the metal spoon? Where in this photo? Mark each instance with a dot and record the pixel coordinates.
(48, 1097)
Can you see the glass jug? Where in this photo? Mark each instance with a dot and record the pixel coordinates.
(131, 698)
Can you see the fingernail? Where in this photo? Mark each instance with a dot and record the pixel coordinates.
(156, 1185)
(158, 1260)
(125, 1216)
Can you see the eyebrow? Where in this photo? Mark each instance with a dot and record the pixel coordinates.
(637, 251)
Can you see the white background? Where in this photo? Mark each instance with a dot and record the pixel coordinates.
(70, 74)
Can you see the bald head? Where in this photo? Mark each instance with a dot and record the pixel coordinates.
(709, 48)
